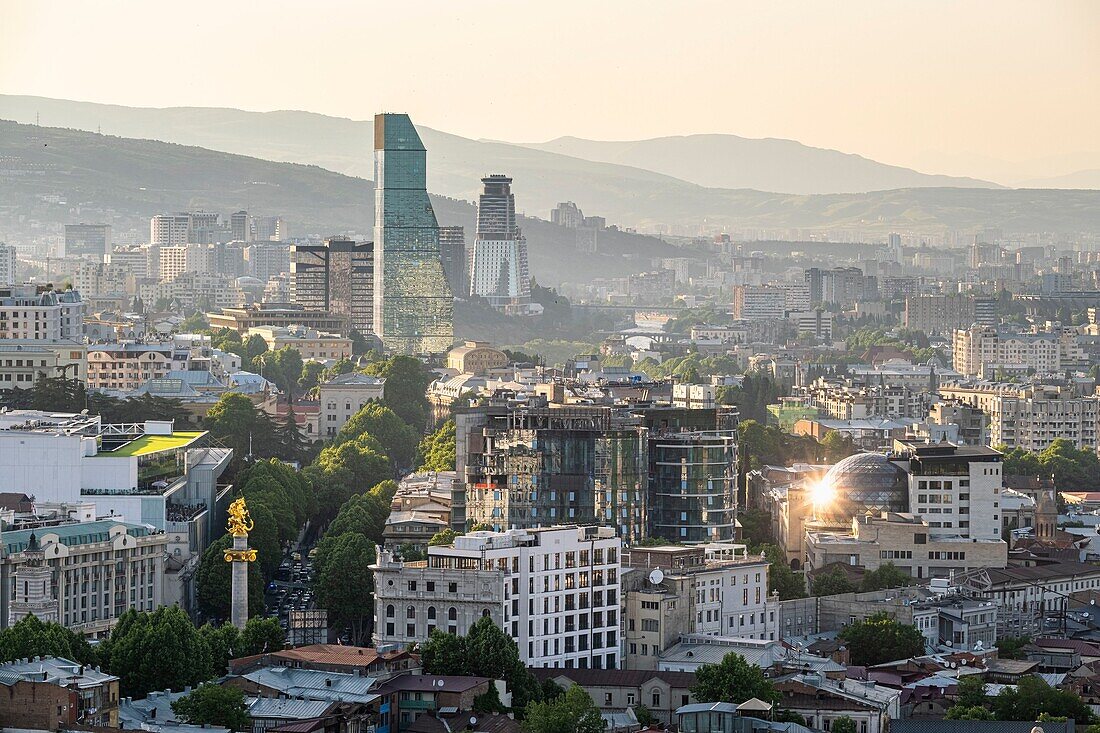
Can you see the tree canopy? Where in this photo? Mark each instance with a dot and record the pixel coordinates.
(879, 638)
(214, 705)
(732, 680)
(572, 712)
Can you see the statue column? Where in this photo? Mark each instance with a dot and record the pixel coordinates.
(239, 557)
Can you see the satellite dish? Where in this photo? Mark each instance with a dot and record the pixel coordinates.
(657, 576)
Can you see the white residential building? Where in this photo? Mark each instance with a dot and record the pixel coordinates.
(1031, 416)
(343, 396)
(983, 351)
(555, 590)
(7, 264)
(759, 303)
(28, 313)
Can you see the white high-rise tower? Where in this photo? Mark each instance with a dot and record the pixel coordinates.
(499, 271)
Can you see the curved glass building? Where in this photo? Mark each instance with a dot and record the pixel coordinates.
(865, 482)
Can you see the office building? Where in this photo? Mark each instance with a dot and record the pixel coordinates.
(499, 272)
(456, 264)
(567, 214)
(413, 307)
(276, 314)
(312, 345)
(92, 241)
(240, 229)
(555, 591)
(533, 464)
(337, 277)
(717, 589)
(759, 303)
(7, 265)
(36, 313)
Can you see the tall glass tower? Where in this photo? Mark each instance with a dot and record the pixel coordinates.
(413, 306)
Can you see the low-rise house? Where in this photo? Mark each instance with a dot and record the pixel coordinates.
(153, 713)
(406, 697)
(357, 660)
(46, 693)
(662, 693)
(821, 700)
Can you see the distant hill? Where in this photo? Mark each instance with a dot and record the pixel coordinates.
(729, 161)
(1078, 179)
(624, 194)
(125, 181)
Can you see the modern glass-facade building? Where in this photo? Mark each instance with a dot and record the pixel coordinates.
(413, 305)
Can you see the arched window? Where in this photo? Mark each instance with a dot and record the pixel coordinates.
(410, 612)
(452, 614)
(485, 613)
(431, 613)
(389, 611)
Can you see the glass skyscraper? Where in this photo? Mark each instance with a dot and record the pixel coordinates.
(413, 305)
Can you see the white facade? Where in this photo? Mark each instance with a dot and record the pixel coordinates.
(26, 313)
(956, 489)
(343, 396)
(759, 303)
(7, 264)
(1034, 416)
(169, 230)
(555, 591)
(24, 361)
(983, 351)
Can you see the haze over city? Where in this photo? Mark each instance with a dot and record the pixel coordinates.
(560, 367)
(989, 89)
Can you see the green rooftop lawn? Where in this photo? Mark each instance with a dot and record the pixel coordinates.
(147, 444)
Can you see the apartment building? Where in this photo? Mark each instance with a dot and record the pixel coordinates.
(947, 313)
(38, 313)
(125, 366)
(555, 590)
(985, 352)
(1031, 416)
(759, 303)
(8, 262)
(716, 589)
(103, 278)
(24, 361)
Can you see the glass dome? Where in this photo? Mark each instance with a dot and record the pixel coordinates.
(866, 482)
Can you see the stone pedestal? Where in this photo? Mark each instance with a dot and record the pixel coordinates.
(238, 614)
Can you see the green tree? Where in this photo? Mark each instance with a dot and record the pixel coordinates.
(732, 680)
(237, 423)
(30, 637)
(158, 650)
(443, 538)
(644, 715)
(573, 712)
(397, 438)
(437, 449)
(887, 576)
(781, 578)
(260, 636)
(313, 372)
(214, 705)
(843, 724)
(221, 642)
(342, 586)
(194, 323)
(407, 380)
(832, 583)
(489, 702)
(1011, 647)
(756, 528)
(283, 367)
(58, 394)
(213, 582)
(879, 638)
(485, 651)
(1032, 697)
(970, 692)
(960, 712)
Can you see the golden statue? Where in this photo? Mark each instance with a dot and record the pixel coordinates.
(240, 524)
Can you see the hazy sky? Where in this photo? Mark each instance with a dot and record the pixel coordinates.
(937, 85)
